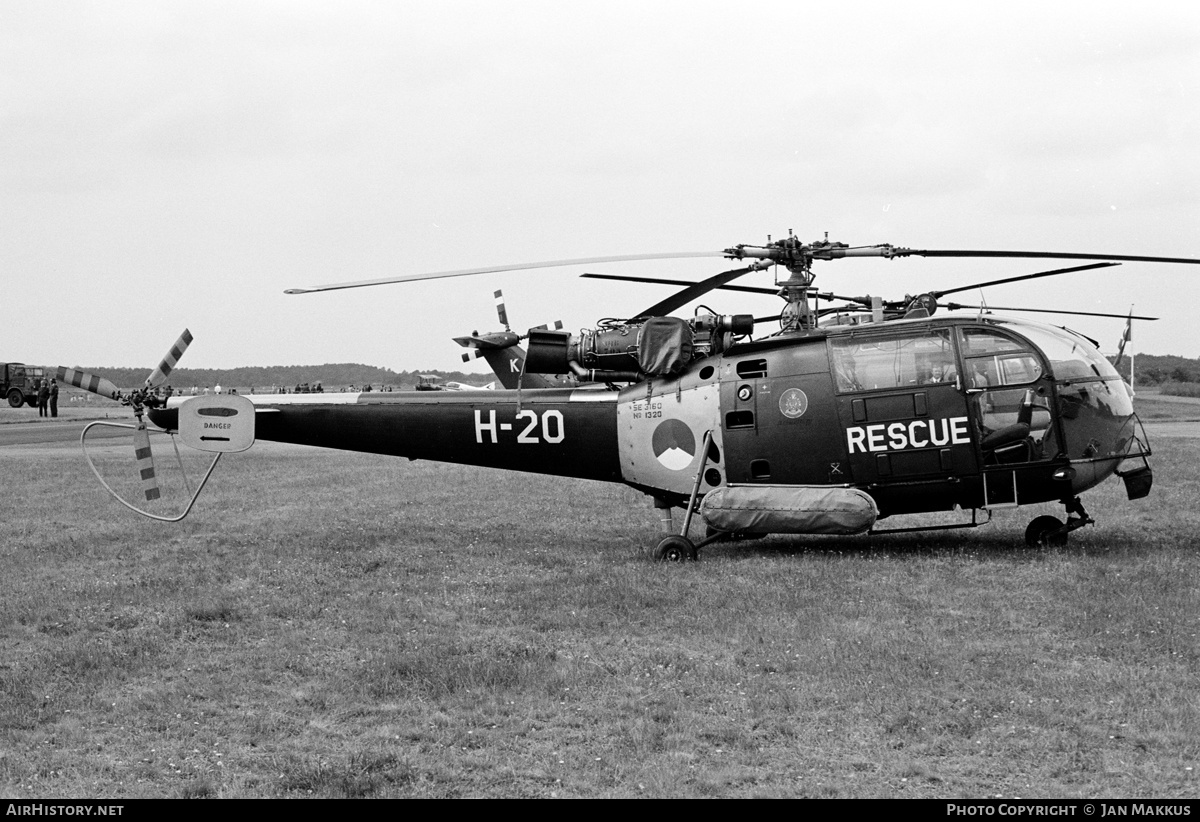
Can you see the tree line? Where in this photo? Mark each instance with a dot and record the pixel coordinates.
(1153, 369)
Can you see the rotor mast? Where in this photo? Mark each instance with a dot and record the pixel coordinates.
(797, 258)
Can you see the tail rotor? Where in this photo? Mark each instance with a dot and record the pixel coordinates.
(478, 345)
(139, 400)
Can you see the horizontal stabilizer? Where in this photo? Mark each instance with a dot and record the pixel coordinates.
(494, 341)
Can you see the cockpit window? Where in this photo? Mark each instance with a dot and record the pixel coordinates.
(1017, 369)
(978, 341)
(993, 359)
(1020, 369)
(882, 362)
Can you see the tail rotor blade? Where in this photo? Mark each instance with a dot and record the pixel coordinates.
(160, 374)
(500, 312)
(145, 463)
(88, 382)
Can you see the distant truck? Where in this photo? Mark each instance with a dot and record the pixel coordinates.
(19, 383)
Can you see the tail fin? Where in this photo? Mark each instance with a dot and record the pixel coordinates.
(505, 357)
(507, 363)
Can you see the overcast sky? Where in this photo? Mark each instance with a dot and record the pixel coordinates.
(180, 164)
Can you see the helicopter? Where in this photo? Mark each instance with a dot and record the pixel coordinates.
(855, 410)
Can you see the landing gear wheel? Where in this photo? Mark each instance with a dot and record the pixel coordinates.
(675, 549)
(1041, 532)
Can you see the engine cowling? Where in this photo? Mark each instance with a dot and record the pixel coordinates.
(629, 351)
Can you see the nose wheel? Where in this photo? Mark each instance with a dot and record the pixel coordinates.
(1048, 531)
(1052, 532)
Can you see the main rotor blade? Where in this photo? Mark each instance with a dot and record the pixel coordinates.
(937, 294)
(750, 289)
(957, 306)
(160, 374)
(1035, 255)
(692, 292)
(466, 272)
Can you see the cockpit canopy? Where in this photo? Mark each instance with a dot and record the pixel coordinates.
(994, 353)
(1070, 356)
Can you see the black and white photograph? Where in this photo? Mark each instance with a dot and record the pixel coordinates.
(415, 399)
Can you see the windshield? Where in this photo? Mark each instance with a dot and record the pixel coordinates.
(1071, 357)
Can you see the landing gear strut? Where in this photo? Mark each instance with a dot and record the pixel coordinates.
(677, 547)
(1051, 531)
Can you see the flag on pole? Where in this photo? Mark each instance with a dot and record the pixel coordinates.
(1127, 336)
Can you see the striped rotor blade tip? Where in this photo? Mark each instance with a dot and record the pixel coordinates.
(88, 382)
(168, 362)
(145, 464)
(500, 312)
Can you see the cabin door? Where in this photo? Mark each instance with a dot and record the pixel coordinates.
(903, 408)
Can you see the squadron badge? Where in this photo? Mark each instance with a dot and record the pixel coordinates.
(793, 403)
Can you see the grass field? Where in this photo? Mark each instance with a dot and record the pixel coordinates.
(330, 624)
